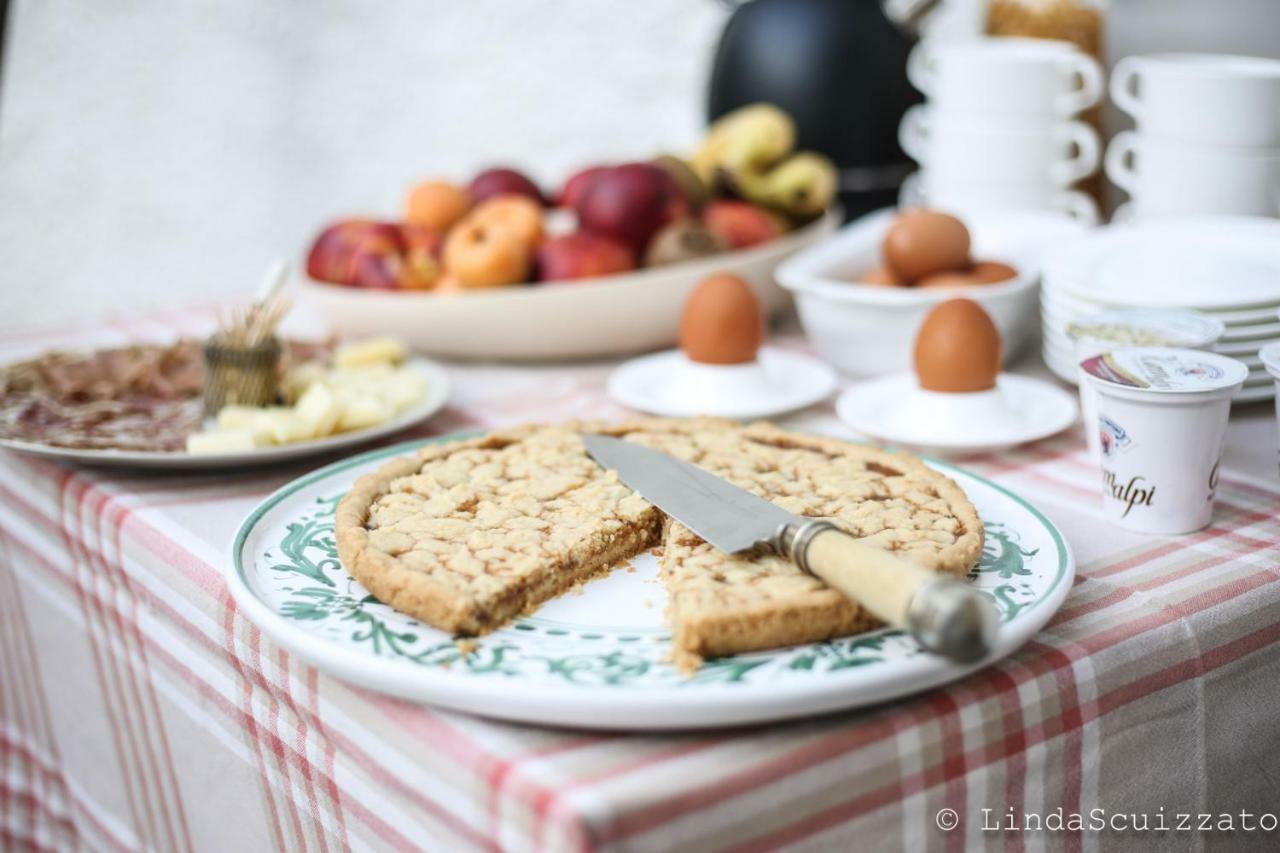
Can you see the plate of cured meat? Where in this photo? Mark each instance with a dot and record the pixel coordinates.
(142, 405)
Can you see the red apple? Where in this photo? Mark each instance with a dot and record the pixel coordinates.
(740, 223)
(423, 241)
(401, 260)
(577, 184)
(330, 256)
(630, 203)
(502, 181)
(582, 255)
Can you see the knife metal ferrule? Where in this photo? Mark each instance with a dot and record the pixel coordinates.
(949, 617)
(794, 540)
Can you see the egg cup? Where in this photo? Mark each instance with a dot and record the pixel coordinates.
(898, 411)
(671, 384)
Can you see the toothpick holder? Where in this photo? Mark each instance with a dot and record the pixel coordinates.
(240, 376)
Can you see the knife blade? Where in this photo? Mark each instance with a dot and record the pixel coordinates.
(944, 615)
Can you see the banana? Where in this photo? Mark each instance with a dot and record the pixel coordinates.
(801, 186)
(748, 139)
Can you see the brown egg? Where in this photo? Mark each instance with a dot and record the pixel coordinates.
(878, 277)
(957, 349)
(721, 323)
(950, 278)
(982, 272)
(922, 242)
(992, 272)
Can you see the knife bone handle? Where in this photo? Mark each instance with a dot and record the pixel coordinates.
(944, 615)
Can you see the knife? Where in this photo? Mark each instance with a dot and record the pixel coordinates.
(944, 615)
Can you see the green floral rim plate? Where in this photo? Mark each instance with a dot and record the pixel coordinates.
(599, 659)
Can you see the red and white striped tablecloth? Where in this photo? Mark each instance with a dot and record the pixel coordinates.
(140, 710)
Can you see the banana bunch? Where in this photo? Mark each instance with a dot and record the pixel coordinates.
(749, 153)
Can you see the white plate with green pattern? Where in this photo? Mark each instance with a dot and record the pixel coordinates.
(599, 659)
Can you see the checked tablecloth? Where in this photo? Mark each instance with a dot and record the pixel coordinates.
(140, 710)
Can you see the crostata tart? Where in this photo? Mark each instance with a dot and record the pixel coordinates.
(470, 534)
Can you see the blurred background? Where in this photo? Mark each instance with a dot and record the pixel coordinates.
(160, 153)
(157, 154)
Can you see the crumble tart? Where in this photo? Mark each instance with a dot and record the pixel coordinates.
(467, 535)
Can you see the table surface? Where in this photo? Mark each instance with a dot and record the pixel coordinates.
(139, 709)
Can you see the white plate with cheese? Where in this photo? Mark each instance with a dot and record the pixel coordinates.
(436, 389)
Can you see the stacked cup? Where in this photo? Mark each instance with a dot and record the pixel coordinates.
(997, 129)
(1207, 138)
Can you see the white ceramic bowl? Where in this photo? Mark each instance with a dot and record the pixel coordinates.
(868, 331)
(610, 315)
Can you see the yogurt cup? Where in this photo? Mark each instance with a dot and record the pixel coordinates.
(1133, 327)
(1270, 355)
(1161, 423)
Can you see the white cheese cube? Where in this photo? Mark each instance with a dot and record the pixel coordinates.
(370, 352)
(299, 379)
(238, 417)
(319, 410)
(361, 412)
(405, 389)
(226, 441)
(282, 425)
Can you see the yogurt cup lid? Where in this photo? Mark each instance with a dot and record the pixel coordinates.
(1270, 355)
(1133, 327)
(1164, 371)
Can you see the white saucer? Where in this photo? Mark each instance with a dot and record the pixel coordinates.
(1210, 263)
(896, 410)
(667, 383)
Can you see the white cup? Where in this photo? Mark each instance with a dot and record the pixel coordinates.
(926, 189)
(1107, 330)
(1020, 78)
(1052, 155)
(1201, 97)
(1162, 420)
(1178, 178)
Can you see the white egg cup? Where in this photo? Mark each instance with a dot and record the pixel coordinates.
(897, 410)
(671, 384)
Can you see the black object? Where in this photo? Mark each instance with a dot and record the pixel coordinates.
(839, 67)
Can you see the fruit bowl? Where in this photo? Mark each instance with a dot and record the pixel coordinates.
(870, 330)
(604, 316)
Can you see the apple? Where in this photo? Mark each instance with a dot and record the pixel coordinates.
(503, 181)
(740, 223)
(517, 213)
(629, 203)
(482, 255)
(682, 240)
(329, 258)
(417, 239)
(436, 205)
(577, 184)
(400, 260)
(582, 255)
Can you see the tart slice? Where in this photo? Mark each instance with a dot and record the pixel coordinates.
(469, 535)
(720, 604)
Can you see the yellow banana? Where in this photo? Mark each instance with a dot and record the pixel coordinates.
(803, 185)
(749, 138)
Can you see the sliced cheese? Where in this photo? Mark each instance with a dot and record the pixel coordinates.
(363, 412)
(370, 352)
(319, 410)
(222, 441)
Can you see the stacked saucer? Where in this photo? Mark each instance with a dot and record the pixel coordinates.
(1225, 267)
